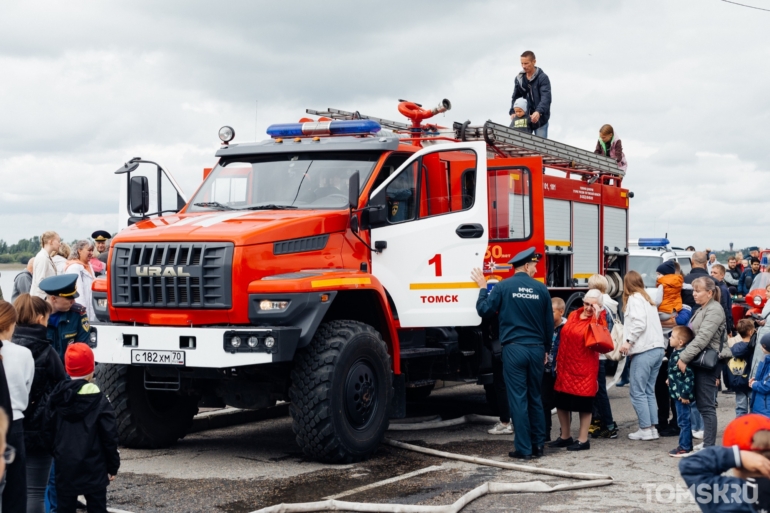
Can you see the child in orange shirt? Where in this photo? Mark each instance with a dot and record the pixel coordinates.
(670, 288)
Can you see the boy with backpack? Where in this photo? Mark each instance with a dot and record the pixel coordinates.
(739, 366)
(83, 434)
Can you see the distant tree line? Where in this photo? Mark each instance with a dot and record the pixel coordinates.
(21, 252)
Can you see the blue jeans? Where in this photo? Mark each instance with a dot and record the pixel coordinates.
(542, 131)
(51, 500)
(696, 421)
(644, 373)
(683, 419)
(741, 403)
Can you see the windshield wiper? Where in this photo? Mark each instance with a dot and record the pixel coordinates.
(214, 204)
(271, 207)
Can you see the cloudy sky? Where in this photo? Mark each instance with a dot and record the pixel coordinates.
(88, 85)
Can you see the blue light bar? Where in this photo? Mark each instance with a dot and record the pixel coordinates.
(346, 127)
(653, 243)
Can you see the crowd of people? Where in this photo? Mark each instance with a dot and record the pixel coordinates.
(58, 432)
(680, 347)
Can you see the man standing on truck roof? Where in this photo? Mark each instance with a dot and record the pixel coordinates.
(535, 86)
(526, 331)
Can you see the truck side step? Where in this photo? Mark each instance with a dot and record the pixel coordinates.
(419, 352)
(170, 383)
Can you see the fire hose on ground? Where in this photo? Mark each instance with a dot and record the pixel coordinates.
(585, 480)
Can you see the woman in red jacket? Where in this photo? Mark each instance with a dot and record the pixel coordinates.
(576, 380)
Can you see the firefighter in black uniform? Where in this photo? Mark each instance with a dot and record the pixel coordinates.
(69, 322)
(102, 239)
(526, 331)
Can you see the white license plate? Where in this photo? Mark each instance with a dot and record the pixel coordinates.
(141, 357)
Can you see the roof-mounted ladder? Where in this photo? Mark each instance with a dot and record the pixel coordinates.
(508, 142)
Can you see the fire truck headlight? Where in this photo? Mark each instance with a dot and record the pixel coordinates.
(92, 338)
(757, 300)
(235, 341)
(226, 134)
(101, 302)
(253, 341)
(269, 342)
(266, 305)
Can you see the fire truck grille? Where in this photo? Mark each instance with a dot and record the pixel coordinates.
(172, 275)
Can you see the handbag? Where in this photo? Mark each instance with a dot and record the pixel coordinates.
(617, 338)
(709, 358)
(598, 338)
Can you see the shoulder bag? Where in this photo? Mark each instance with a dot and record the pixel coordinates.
(709, 358)
(617, 338)
(598, 338)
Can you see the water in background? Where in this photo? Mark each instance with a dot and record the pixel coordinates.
(6, 280)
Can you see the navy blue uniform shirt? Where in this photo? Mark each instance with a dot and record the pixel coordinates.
(525, 311)
(64, 328)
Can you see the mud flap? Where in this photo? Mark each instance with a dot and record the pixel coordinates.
(398, 405)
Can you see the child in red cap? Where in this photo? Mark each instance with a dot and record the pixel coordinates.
(82, 432)
(746, 450)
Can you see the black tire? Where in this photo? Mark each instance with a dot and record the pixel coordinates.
(419, 393)
(332, 421)
(491, 393)
(574, 302)
(146, 419)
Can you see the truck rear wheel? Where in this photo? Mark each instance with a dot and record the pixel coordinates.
(341, 392)
(146, 419)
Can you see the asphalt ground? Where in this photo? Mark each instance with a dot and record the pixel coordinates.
(242, 468)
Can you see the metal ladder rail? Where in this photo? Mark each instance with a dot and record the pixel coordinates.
(346, 115)
(520, 144)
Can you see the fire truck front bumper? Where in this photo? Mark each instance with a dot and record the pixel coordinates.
(215, 347)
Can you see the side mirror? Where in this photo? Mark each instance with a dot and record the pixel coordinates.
(354, 223)
(139, 192)
(353, 187)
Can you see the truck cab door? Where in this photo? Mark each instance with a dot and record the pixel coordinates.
(164, 195)
(431, 223)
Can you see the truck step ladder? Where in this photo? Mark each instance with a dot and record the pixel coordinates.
(508, 142)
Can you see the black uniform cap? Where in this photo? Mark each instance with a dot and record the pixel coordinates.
(525, 257)
(63, 285)
(101, 235)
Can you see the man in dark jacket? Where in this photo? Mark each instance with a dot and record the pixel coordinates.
(526, 334)
(83, 434)
(535, 86)
(699, 261)
(747, 278)
(718, 273)
(732, 274)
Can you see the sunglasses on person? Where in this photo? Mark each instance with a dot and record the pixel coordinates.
(9, 455)
(588, 305)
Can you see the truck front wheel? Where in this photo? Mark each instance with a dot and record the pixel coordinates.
(341, 392)
(146, 419)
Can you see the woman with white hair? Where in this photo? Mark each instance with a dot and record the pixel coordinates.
(578, 366)
(82, 252)
(645, 346)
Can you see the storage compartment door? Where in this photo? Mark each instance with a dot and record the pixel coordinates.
(615, 236)
(558, 221)
(585, 246)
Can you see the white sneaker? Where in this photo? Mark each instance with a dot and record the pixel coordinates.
(501, 429)
(642, 434)
(698, 434)
(698, 447)
(655, 434)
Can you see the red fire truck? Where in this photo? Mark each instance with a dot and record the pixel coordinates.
(329, 266)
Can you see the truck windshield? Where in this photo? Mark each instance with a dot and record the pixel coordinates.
(646, 266)
(283, 181)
